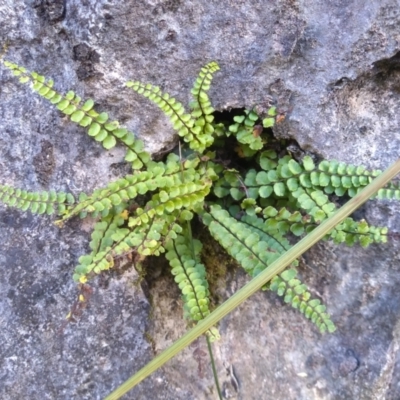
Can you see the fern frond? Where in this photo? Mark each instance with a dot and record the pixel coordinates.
(280, 182)
(350, 232)
(243, 244)
(273, 236)
(196, 128)
(112, 239)
(245, 132)
(190, 274)
(286, 175)
(334, 177)
(284, 221)
(315, 203)
(124, 189)
(182, 122)
(306, 182)
(294, 292)
(390, 191)
(51, 202)
(339, 178)
(146, 239)
(254, 254)
(103, 232)
(97, 124)
(188, 196)
(201, 105)
(101, 244)
(168, 177)
(269, 121)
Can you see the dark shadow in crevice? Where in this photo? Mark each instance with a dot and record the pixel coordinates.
(386, 73)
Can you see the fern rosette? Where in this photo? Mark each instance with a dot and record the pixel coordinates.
(254, 207)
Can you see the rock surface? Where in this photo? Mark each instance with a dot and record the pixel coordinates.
(332, 67)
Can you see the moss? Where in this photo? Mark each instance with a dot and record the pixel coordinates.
(150, 340)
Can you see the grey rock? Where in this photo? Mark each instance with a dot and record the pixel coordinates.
(333, 70)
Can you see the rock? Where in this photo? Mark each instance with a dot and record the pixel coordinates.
(332, 69)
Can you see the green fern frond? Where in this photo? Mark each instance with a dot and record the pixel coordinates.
(294, 292)
(190, 274)
(348, 232)
(97, 124)
(188, 196)
(254, 254)
(351, 232)
(283, 221)
(201, 107)
(125, 189)
(307, 183)
(103, 232)
(328, 176)
(147, 239)
(101, 244)
(274, 236)
(241, 243)
(335, 177)
(269, 121)
(169, 177)
(113, 238)
(196, 128)
(117, 192)
(245, 132)
(181, 121)
(315, 203)
(51, 202)
(390, 192)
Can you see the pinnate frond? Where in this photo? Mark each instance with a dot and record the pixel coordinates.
(51, 202)
(98, 126)
(195, 128)
(190, 274)
(245, 131)
(201, 108)
(244, 245)
(296, 294)
(113, 237)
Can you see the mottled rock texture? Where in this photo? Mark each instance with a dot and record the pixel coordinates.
(332, 66)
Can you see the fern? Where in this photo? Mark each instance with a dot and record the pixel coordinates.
(183, 255)
(240, 242)
(254, 212)
(195, 128)
(255, 251)
(97, 124)
(244, 131)
(36, 202)
(296, 294)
